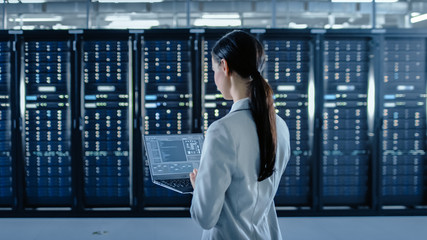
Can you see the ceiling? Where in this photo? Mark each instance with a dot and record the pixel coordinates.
(63, 14)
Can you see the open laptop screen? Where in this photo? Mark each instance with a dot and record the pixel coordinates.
(173, 154)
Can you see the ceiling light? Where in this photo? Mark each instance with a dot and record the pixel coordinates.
(337, 26)
(419, 18)
(129, 1)
(24, 27)
(134, 24)
(200, 22)
(298, 26)
(221, 16)
(414, 14)
(27, 1)
(364, 1)
(348, 1)
(38, 19)
(112, 18)
(59, 26)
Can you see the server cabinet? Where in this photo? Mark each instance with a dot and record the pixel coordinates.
(287, 70)
(45, 106)
(403, 121)
(214, 106)
(346, 156)
(167, 99)
(6, 152)
(107, 118)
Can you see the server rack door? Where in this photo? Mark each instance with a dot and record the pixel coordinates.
(45, 103)
(403, 114)
(108, 118)
(167, 99)
(6, 190)
(287, 71)
(346, 156)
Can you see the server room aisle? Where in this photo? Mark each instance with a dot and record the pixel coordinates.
(295, 228)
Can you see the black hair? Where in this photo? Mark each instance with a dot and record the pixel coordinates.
(245, 56)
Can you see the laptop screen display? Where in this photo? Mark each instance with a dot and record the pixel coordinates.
(173, 154)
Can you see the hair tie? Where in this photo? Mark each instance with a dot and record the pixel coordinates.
(255, 73)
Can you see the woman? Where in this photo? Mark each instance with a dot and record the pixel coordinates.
(245, 153)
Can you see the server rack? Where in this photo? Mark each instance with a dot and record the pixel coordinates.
(7, 158)
(345, 172)
(45, 87)
(402, 120)
(287, 70)
(214, 106)
(107, 113)
(167, 96)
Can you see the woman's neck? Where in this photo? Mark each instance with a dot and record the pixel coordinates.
(239, 87)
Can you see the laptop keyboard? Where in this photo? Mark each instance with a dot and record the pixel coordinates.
(177, 183)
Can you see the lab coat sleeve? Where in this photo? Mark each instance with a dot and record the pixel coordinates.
(214, 176)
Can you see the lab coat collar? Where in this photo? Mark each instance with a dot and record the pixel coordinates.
(242, 104)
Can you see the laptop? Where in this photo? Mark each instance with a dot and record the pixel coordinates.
(171, 158)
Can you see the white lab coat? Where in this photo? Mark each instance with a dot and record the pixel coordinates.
(228, 201)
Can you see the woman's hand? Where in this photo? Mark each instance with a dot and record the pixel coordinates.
(193, 176)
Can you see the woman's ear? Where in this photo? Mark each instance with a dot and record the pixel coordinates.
(224, 67)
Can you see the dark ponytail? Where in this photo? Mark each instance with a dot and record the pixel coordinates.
(245, 55)
(265, 119)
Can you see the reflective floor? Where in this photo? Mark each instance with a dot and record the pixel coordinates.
(295, 228)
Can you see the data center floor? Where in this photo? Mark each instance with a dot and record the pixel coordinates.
(294, 228)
